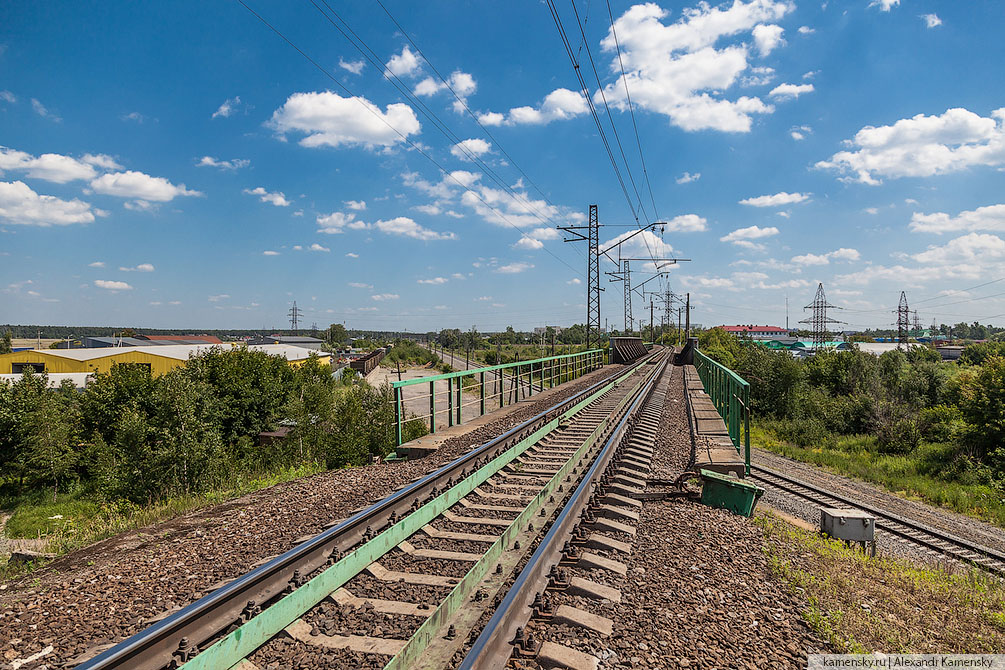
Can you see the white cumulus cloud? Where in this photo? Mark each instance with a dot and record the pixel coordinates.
(776, 200)
(884, 5)
(142, 267)
(842, 254)
(931, 20)
(990, 218)
(354, 67)
(767, 37)
(328, 119)
(53, 167)
(922, 146)
(687, 178)
(468, 150)
(559, 105)
(233, 164)
(112, 285)
(683, 70)
(381, 297)
(433, 281)
(228, 107)
(784, 91)
(514, 268)
(278, 198)
(132, 184)
(744, 237)
(318, 247)
(20, 205)
(404, 63)
(406, 227)
(687, 223)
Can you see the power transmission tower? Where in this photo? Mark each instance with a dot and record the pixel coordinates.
(917, 324)
(295, 313)
(903, 320)
(819, 319)
(593, 289)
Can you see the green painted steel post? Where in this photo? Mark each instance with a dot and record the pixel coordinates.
(450, 401)
(482, 377)
(502, 390)
(432, 407)
(397, 414)
(460, 398)
(746, 427)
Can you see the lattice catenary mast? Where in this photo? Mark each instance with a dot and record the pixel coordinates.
(593, 289)
(819, 319)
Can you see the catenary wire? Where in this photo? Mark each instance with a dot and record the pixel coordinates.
(404, 138)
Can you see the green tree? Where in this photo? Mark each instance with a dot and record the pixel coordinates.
(5, 343)
(49, 432)
(17, 401)
(336, 335)
(981, 399)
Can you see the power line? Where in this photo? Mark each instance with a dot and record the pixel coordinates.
(610, 118)
(403, 137)
(589, 101)
(464, 104)
(631, 108)
(360, 44)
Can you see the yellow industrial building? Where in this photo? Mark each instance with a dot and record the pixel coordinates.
(158, 359)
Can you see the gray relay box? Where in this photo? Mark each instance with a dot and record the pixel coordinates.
(850, 525)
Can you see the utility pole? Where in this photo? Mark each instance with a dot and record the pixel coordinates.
(687, 315)
(679, 312)
(786, 315)
(593, 289)
(652, 333)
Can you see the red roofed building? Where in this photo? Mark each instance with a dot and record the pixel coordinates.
(756, 332)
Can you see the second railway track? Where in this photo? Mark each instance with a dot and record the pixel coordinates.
(404, 582)
(908, 530)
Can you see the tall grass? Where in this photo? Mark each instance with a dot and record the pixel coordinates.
(922, 474)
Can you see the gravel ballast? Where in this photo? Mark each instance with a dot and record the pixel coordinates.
(108, 591)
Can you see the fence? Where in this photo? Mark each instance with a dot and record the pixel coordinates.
(730, 394)
(495, 386)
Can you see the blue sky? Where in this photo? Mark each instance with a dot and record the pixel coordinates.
(179, 165)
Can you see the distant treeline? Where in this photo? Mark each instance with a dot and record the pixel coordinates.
(64, 332)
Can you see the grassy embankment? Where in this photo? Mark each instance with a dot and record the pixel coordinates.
(863, 605)
(919, 475)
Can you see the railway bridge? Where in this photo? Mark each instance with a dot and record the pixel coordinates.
(550, 519)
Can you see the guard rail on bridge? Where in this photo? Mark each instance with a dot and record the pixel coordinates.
(487, 386)
(730, 394)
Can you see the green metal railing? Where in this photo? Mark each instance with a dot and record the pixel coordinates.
(730, 393)
(488, 388)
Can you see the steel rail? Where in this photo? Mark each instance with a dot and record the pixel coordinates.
(205, 619)
(493, 647)
(987, 558)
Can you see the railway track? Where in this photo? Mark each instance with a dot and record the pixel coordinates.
(908, 530)
(404, 582)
